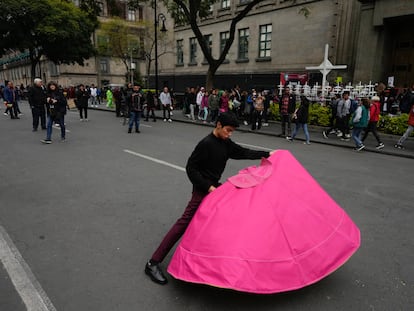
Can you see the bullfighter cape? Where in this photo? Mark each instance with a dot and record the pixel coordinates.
(268, 229)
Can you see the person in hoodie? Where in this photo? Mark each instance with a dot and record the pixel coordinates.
(359, 122)
(55, 109)
(374, 115)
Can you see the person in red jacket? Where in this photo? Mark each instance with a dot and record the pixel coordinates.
(374, 115)
(409, 130)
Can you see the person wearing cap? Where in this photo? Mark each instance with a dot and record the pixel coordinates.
(204, 169)
(374, 115)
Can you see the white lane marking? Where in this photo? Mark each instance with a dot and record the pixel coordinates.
(155, 160)
(29, 289)
(255, 147)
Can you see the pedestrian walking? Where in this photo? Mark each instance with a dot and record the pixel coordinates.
(10, 99)
(359, 121)
(56, 109)
(409, 130)
(82, 98)
(374, 116)
(301, 117)
(150, 102)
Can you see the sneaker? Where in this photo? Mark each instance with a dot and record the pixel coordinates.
(86, 120)
(347, 135)
(155, 273)
(81, 120)
(165, 120)
(380, 146)
(345, 139)
(62, 140)
(398, 146)
(6, 114)
(339, 134)
(46, 141)
(306, 143)
(289, 139)
(359, 148)
(265, 124)
(169, 120)
(332, 132)
(324, 135)
(245, 122)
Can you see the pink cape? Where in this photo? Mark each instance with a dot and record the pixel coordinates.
(276, 231)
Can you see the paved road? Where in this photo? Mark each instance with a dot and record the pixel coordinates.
(86, 214)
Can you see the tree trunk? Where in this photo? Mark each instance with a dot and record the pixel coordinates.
(211, 72)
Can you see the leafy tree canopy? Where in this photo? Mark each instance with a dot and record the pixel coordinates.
(54, 28)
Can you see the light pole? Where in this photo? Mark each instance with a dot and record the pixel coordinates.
(157, 17)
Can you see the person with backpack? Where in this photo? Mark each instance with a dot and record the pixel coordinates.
(359, 121)
(374, 116)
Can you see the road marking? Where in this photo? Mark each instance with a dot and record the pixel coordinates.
(29, 289)
(155, 160)
(255, 147)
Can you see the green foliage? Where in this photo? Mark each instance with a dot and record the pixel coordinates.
(319, 115)
(394, 124)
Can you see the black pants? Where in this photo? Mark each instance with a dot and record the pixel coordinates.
(257, 118)
(344, 124)
(150, 110)
(81, 110)
(39, 113)
(166, 108)
(286, 121)
(13, 111)
(372, 127)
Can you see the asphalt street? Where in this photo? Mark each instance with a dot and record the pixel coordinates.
(85, 215)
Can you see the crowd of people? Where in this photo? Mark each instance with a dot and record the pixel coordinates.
(349, 118)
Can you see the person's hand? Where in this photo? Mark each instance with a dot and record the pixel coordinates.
(272, 152)
(211, 189)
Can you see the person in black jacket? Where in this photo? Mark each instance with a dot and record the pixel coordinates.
(204, 169)
(82, 98)
(301, 116)
(56, 109)
(37, 102)
(287, 106)
(135, 108)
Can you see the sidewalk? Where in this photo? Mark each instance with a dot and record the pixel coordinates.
(315, 132)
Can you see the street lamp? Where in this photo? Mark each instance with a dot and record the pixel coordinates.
(157, 18)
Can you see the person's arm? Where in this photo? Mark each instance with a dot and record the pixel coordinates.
(238, 152)
(358, 114)
(196, 160)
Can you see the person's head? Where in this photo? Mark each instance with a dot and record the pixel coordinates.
(345, 95)
(165, 89)
(225, 125)
(52, 86)
(365, 102)
(375, 98)
(10, 84)
(81, 87)
(37, 82)
(136, 87)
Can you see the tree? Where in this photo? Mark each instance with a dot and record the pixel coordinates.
(53, 28)
(117, 39)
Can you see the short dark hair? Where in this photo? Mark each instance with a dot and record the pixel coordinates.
(228, 119)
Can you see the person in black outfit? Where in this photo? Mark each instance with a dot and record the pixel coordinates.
(82, 98)
(56, 109)
(150, 102)
(204, 169)
(37, 102)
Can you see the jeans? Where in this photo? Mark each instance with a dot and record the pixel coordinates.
(305, 130)
(406, 134)
(205, 114)
(356, 136)
(134, 117)
(50, 122)
(192, 107)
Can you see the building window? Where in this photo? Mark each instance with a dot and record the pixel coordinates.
(193, 51)
(244, 1)
(103, 66)
(131, 16)
(225, 4)
(180, 52)
(265, 41)
(224, 36)
(243, 43)
(209, 41)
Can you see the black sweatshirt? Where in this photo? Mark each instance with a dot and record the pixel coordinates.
(208, 160)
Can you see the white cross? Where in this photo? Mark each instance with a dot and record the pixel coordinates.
(325, 68)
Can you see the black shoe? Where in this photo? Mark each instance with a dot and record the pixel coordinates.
(129, 130)
(155, 273)
(34, 130)
(155, 120)
(137, 131)
(146, 120)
